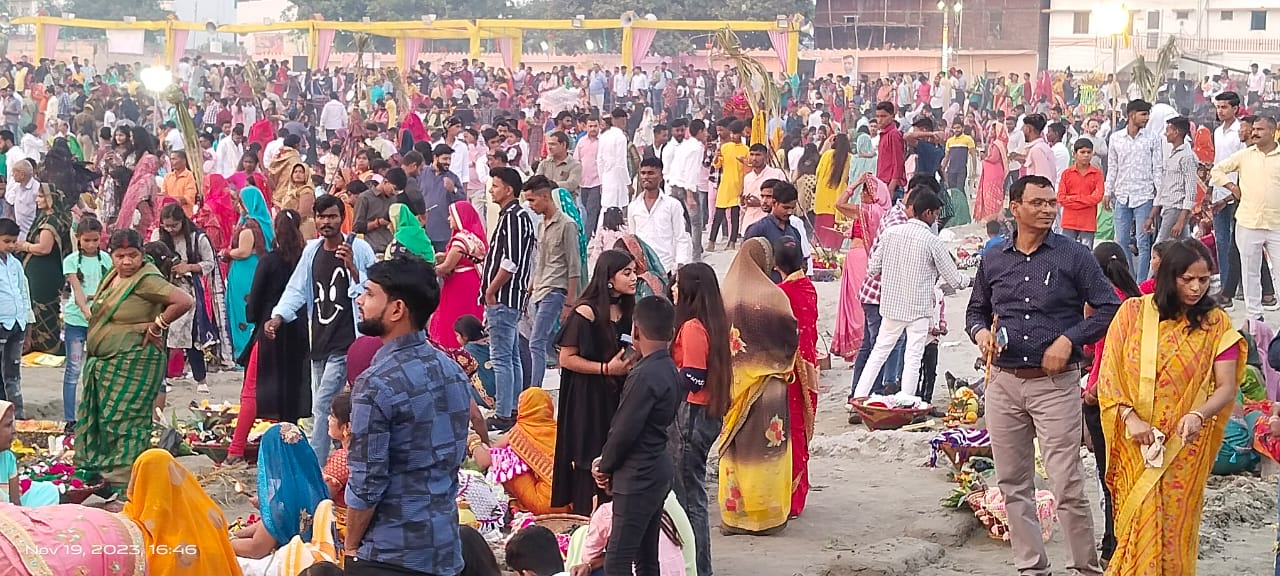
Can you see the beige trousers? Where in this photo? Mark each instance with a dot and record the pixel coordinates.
(1019, 411)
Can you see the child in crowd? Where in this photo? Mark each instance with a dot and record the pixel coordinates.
(995, 235)
(534, 551)
(929, 364)
(613, 227)
(335, 470)
(1079, 193)
(38, 493)
(84, 270)
(1148, 286)
(473, 339)
(13, 282)
(675, 549)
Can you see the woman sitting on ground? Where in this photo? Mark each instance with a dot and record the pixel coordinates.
(522, 459)
(290, 485)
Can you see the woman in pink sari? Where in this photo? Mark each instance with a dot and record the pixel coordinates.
(459, 270)
(217, 215)
(989, 204)
(138, 208)
(69, 539)
(873, 202)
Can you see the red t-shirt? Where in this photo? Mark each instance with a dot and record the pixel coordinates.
(690, 351)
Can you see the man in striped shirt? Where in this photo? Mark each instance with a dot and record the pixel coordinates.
(507, 270)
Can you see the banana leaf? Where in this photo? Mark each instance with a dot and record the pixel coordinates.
(190, 137)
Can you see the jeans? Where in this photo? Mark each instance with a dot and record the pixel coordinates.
(74, 337)
(1085, 238)
(328, 376)
(545, 314)
(504, 353)
(886, 342)
(1251, 243)
(10, 365)
(928, 372)
(697, 431)
(1129, 221)
(591, 201)
(1167, 217)
(357, 567)
(892, 370)
(735, 219)
(637, 526)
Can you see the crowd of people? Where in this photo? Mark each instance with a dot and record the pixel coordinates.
(390, 258)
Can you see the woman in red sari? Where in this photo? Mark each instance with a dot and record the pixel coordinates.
(872, 202)
(459, 270)
(802, 390)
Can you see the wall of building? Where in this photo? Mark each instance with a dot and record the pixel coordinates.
(917, 24)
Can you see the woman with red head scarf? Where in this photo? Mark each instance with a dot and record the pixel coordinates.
(459, 271)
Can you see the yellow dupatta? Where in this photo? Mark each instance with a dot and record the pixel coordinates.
(1159, 505)
(297, 555)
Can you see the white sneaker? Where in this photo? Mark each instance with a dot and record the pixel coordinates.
(202, 388)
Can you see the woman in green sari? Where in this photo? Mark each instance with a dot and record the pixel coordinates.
(250, 241)
(47, 242)
(125, 359)
(408, 236)
(653, 277)
(564, 201)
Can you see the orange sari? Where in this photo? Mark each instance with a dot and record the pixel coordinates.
(1158, 508)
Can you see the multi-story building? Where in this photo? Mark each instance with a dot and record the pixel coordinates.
(1210, 34)
(976, 25)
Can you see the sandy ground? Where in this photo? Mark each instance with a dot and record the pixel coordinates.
(874, 508)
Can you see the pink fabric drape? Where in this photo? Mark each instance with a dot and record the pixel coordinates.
(504, 46)
(641, 40)
(50, 40)
(179, 47)
(778, 38)
(412, 47)
(324, 47)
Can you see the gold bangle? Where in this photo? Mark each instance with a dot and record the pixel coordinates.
(1198, 415)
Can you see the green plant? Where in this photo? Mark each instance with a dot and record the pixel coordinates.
(1150, 79)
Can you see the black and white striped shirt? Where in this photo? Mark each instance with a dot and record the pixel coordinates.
(511, 249)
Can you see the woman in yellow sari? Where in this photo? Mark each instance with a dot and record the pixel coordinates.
(755, 444)
(185, 532)
(522, 460)
(833, 177)
(1190, 361)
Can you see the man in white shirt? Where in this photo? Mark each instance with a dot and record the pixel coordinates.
(21, 195)
(230, 151)
(273, 147)
(1257, 81)
(1017, 145)
(640, 84)
(615, 180)
(667, 153)
(683, 175)
(658, 219)
(620, 85)
(461, 154)
(333, 117)
(815, 117)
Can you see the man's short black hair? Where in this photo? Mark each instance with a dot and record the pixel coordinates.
(737, 127)
(697, 126)
(619, 113)
(411, 280)
(413, 157)
(1036, 121)
(784, 192)
(652, 162)
(327, 201)
(508, 176)
(678, 122)
(657, 317)
(540, 184)
(1137, 106)
(292, 140)
(1230, 97)
(8, 227)
(761, 148)
(924, 201)
(535, 548)
(1059, 129)
(887, 107)
(1181, 124)
(923, 122)
(1020, 186)
(1081, 144)
(397, 178)
(6, 136)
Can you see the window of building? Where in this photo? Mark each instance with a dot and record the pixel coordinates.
(995, 24)
(1153, 20)
(1080, 23)
(1181, 14)
(1226, 15)
(1258, 20)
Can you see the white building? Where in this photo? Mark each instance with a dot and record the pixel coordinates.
(1231, 33)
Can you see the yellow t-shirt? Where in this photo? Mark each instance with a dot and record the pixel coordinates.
(732, 155)
(20, 80)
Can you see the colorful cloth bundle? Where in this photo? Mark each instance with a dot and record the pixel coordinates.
(989, 506)
(957, 438)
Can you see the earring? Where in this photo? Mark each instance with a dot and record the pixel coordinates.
(611, 285)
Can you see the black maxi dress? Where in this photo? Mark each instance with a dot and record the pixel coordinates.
(284, 362)
(587, 405)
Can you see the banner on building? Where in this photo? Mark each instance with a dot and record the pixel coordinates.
(127, 42)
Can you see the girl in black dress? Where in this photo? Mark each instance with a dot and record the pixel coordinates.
(592, 370)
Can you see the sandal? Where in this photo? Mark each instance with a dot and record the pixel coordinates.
(202, 388)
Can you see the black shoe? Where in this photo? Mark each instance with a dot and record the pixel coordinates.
(499, 424)
(1226, 303)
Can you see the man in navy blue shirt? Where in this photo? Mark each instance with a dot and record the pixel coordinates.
(777, 224)
(1036, 284)
(409, 415)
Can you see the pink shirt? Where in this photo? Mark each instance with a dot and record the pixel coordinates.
(1040, 161)
(586, 152)
(670, 559)
(751, 182)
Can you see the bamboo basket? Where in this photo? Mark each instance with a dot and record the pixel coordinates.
(878, 418)
(561, 523)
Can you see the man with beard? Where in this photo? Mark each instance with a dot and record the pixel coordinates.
(440, 187)
(409, 415)
(327, 280)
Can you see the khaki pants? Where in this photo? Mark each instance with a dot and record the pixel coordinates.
(1019, 411)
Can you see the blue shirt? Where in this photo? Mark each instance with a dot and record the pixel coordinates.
(1039, 297)
(409, 416)
(769, 229)
(15, 297)
(436, 199)
(300, 291)
(992, 243)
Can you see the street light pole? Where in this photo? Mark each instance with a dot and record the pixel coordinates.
(946, 32)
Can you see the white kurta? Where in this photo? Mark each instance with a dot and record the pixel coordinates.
(614, 178)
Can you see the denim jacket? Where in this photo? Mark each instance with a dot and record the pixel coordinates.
(299, 291)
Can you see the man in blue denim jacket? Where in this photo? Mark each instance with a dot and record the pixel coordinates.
(327, 280)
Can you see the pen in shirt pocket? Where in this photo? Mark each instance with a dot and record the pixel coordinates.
(1046, 277)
